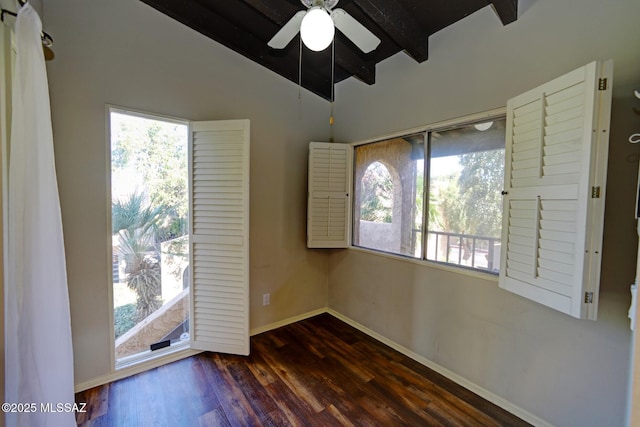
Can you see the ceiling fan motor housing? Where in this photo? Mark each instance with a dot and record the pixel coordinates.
(327, 4)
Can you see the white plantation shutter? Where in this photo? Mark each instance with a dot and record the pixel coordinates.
(220, 236)
(556, 159)
(329, 197)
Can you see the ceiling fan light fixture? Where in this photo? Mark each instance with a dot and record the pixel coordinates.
(483, 126)
(317, 29)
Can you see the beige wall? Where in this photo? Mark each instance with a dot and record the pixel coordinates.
(566, 371)
(125, 53)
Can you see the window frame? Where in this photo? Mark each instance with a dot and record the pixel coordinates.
(555, 212)
(444, 125)
(138, 363)
(145, 358)
(354, 181)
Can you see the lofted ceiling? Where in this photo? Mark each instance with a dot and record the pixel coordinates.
(246, 26)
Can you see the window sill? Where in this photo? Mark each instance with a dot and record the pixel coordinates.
(150, 356)
(431, 264)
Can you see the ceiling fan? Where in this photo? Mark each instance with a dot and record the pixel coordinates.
(317, 27)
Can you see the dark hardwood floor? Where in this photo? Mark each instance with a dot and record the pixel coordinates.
(317, 372)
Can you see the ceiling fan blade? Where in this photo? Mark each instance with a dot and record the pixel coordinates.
(287, 32)
(355, 31)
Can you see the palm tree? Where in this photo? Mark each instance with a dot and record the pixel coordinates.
(135, 222)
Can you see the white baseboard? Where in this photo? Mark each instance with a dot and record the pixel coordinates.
(485, 394)
(287, 321)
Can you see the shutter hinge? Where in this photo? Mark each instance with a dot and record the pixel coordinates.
(588, 297)
(602, 84)
(595, 192)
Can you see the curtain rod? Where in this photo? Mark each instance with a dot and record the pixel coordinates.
(47, 40)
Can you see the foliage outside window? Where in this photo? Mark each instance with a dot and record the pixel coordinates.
(149, 218)
(465, 167)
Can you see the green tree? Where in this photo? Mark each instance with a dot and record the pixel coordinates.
(156, 151)
(448, 204)
(469, 201)
(135, 221)
(152, 156)
(133, 213)
(377, 194)
(480, 182)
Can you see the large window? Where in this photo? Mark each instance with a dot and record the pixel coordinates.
(521, 196)
(459, 204)
(150, 233)
(180, 235)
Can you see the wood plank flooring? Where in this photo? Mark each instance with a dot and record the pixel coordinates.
(317, 372)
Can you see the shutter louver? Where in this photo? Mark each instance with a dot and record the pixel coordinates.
(329, 201)
(551, 227)
(220, 236)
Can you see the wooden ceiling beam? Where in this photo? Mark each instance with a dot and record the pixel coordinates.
(349, 61)
(245, 26)
(399, 25)
(507, 10)
(202, 19)
(279, 14)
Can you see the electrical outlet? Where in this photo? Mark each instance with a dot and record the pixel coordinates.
(266, 299)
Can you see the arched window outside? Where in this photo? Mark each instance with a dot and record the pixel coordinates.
(377, 194)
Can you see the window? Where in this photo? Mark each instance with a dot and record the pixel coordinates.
(180, 235)
(552, 151)
(466, 174)
(389, 183)
(465, 166)
(150, 232)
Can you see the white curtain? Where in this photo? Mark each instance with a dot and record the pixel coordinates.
(39, 359)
